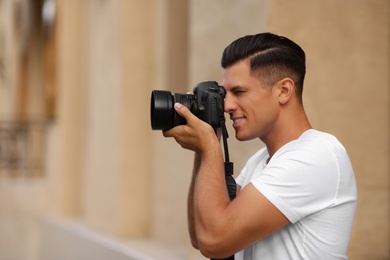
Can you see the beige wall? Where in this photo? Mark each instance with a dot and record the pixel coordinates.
(97, 157)
(119, 65)
(105, 168)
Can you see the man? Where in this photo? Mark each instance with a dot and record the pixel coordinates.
(297, 196)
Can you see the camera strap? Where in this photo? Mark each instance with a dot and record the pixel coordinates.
(229, 169)
(230, 182)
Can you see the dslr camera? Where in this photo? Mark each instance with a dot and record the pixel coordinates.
(207, 103)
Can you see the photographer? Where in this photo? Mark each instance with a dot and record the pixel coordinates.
(296, 197)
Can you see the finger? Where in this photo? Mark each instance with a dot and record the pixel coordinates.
(175, 131)
(170, 132)
(184, 112)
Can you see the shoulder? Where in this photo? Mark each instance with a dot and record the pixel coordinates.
(312, 145)
(315, 156)
(320, 139)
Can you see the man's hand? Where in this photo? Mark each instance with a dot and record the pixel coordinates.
(196, 135)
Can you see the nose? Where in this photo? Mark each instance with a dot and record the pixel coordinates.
(229, 104)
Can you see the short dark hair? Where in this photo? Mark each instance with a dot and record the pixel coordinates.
(272, 58)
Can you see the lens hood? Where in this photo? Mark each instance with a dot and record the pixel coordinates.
(161, 110)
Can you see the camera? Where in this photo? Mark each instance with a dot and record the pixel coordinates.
(207, 103)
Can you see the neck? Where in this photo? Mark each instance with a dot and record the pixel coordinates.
(289, 127)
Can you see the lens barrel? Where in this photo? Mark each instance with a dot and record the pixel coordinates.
(162, 113)
(161, 110)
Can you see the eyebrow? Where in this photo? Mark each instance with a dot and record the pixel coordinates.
(235, 88)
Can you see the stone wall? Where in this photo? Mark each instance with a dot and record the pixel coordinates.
(107, 171)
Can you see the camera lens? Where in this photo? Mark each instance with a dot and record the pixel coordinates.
(162, 113)
(161, 110)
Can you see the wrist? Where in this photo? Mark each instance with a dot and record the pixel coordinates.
(211, 149)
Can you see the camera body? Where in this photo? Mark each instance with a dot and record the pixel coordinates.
(207, 103)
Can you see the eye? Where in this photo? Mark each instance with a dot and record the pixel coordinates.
(238, 92)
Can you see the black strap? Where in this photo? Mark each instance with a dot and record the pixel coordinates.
(229, 169)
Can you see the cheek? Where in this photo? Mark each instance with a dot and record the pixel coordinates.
(262, 110)
(253, 105)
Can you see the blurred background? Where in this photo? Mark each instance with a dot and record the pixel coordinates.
(83, 176)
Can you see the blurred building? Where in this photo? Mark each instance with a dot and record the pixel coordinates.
(82, 175)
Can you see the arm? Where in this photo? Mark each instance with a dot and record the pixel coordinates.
(190, 202)
(218, 227)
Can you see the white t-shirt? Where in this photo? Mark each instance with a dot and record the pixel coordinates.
(311, 181)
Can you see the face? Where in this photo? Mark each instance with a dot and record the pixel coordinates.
(252, 107)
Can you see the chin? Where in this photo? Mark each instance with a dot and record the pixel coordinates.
(242, 138)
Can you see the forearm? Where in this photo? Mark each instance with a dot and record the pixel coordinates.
(190, 202)
(207, 196)
(210, 197)
(198, 158)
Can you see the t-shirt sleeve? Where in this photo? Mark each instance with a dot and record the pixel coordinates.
(241, 179)
(300, 182)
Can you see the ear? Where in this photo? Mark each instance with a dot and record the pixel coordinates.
(286, 89)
